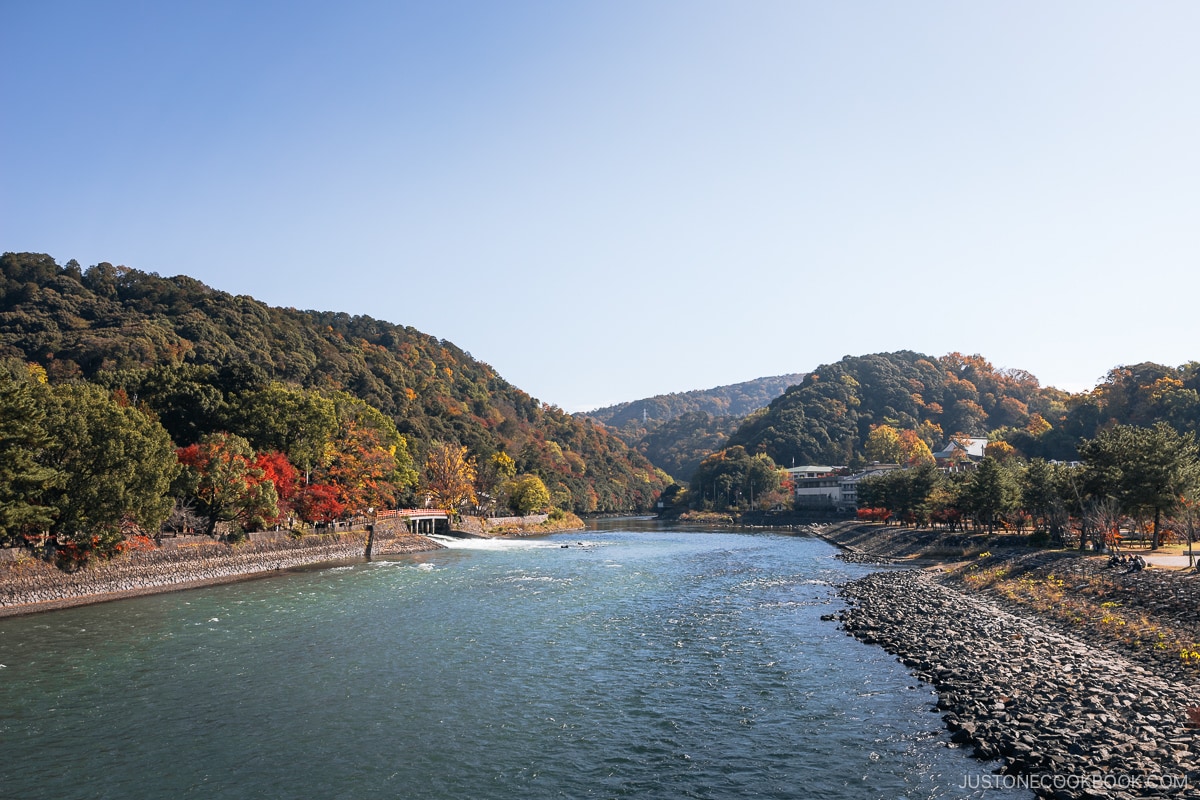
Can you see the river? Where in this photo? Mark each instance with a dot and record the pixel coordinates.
(638, 661)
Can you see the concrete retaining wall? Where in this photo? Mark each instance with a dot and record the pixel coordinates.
(28, 584)
(490, 526)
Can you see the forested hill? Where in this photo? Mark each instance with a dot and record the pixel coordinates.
(827, 418)
(735, 400)
(184, 350)
(676, 431)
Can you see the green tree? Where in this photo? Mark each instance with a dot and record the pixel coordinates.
(184, 397)
(904, 492)
(1147, 470)
(1044, 494)
(990, 493)
(118, 465)
(24, 477)
(733, 477)
(300, 423)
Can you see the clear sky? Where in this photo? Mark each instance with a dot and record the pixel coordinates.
(608, 200)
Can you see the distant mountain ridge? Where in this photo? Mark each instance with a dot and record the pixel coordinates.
(733, 400)
(675, 431)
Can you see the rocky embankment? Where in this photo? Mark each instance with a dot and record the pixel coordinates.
(30, 585)
(1035, 669)
(1073, 719)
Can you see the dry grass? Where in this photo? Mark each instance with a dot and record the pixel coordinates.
(1085, 602)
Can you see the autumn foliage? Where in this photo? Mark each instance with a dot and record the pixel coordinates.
(874, 514)
(351, 402)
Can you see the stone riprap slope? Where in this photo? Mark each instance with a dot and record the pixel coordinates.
(32, 585)
(1150, 615)
(1064, 717)
(869, 543)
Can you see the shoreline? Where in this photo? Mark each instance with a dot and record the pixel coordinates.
(39, 607)
(1062, 671)
(30, 586)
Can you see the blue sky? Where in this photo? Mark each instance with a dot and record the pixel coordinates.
(610, 200)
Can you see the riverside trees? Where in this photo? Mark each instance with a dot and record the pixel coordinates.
(732, 478)
(1147, 471)
(1143, 473)
(83, 465)
(78, 464)
(24, 477)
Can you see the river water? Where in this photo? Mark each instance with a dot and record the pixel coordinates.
(639, 661)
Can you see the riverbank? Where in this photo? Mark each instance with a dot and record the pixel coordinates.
(869, 543)
(30, 585)
(1078, 678)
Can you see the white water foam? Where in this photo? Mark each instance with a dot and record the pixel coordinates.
(455, 543)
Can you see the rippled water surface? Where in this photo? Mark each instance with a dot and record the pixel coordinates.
(635, 662)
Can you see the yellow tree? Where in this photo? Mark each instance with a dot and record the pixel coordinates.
(449, 477)
(999, 450)
(883, 445)
(930, 432)
(528, 495)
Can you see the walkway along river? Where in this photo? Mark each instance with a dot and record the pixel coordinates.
(627, 661)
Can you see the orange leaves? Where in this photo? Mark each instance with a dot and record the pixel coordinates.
(362, 469)
(913, 450)
(1037, 425)
(887, 445)
(279, 471)
(449, 477)
(227, 482)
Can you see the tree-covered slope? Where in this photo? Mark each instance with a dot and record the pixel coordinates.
(677, 446)
(827, 417)
(676, 431)
(184, 349)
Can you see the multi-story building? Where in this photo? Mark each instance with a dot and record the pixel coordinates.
(831, 487)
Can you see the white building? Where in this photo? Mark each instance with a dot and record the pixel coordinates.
(849, 484)
(831, 490)
(811, 471)
(961, 451)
